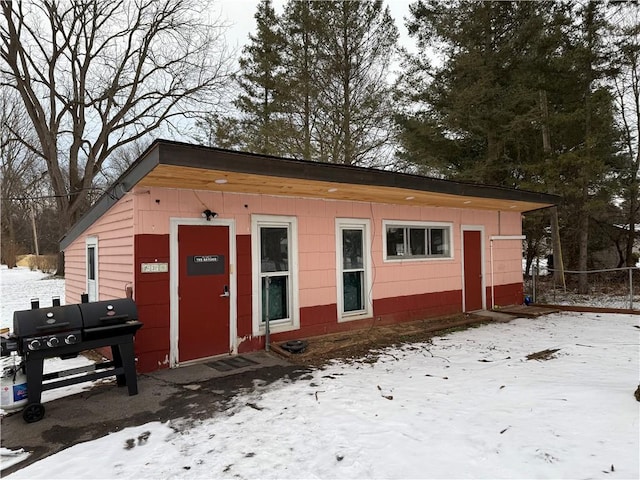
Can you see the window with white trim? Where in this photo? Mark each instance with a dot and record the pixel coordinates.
(353, 272)
(416, 240)
(92, 268)
(274, 246)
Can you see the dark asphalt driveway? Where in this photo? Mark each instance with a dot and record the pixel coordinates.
(193, 392)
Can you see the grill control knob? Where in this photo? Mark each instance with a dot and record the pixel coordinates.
(70, 339)
(34, 345)
(53, 342)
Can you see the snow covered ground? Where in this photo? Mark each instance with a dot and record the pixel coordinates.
(469, 404)
(19, 285)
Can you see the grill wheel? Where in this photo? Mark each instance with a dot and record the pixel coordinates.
(33, 412)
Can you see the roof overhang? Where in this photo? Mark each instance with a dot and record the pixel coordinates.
(178, 165)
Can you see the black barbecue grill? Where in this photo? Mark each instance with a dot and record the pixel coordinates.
(64, 331)
(47, 328)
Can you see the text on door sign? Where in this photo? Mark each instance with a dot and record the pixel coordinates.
(206, 265)
(206, 258)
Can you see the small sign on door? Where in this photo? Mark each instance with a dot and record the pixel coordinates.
(205, 265)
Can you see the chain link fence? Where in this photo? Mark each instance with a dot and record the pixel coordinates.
(607, 288)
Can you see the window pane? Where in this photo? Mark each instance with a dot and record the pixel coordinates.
(351, 249)
(417, 241)
(439, 241)
(278, 307)
(352, 287)
(395, 241)
(91, 263)
(274, 249)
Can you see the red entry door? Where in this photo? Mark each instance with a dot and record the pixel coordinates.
(203, 291)
(472, 242)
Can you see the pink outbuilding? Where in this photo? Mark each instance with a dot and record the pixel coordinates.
(214, 243)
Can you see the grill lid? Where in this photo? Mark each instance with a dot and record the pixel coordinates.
(44, 321)
(108, 312)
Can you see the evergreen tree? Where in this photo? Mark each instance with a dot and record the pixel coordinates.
(585, 136)
(300, 59)
(356, 43)
(473, 117)
(315, 82)
(262, 81)
(520, 100)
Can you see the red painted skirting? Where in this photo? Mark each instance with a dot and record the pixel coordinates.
(506, 295)
(322, 319)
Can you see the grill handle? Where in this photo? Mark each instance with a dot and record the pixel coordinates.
(114, 318)
(51, 327)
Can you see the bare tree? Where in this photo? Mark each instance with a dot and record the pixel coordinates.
(356, 48)
(121, 159)
(19, 178)
(627, 92)
(95, 76)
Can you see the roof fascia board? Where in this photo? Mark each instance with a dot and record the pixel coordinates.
(173, 153)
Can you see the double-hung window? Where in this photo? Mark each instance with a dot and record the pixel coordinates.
(353, 269)
(416, 240)
(274, 246)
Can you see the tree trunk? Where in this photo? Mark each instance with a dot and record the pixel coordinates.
(346, 85)
(631, 220)
(306, 78)
(60, 267)
(583, 245)
(36, 246)
(9, 244)
(558, 263)
(583, 237)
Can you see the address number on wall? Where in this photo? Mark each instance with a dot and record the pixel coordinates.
(154, 268)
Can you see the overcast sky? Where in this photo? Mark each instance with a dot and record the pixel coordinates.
(240, 15)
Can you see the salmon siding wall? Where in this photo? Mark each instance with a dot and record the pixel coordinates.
(402, 290)
(114, 231)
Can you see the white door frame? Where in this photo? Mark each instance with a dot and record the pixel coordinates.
(473, 228)
(174, 323)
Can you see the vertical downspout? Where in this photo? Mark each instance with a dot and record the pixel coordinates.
(491, 256)
(267, 333)
(630, 288)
